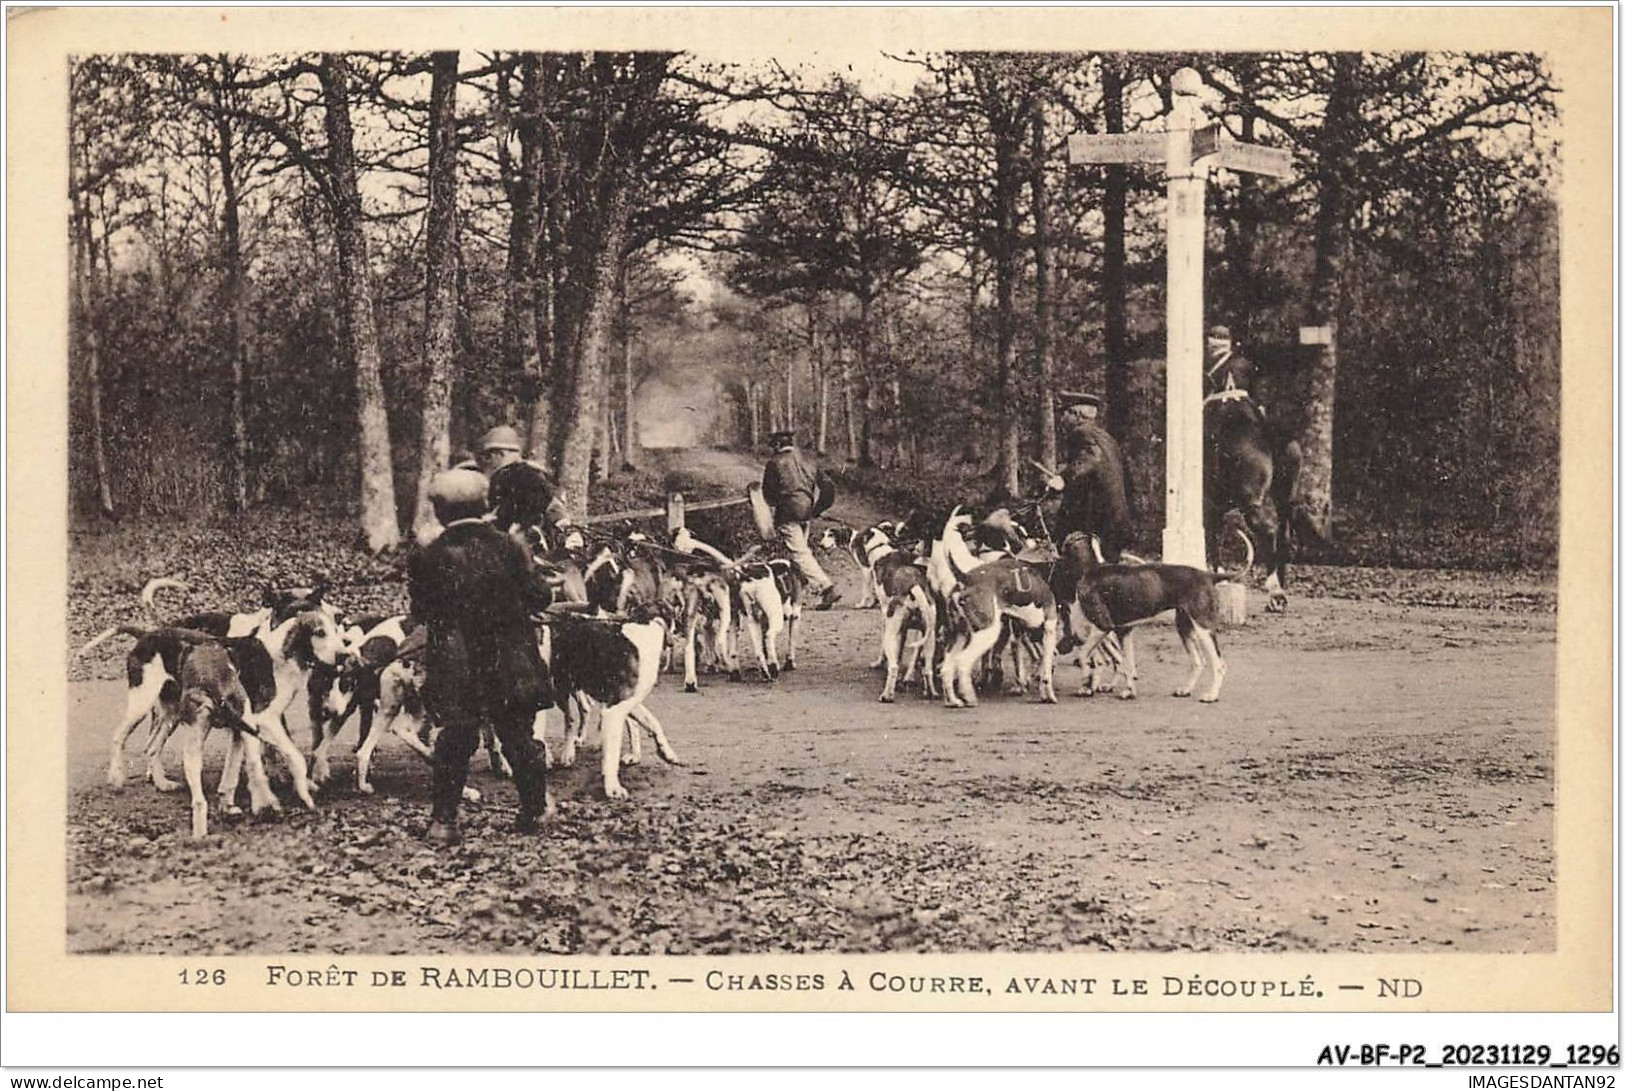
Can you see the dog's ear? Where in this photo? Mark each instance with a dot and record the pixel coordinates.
(319, 587)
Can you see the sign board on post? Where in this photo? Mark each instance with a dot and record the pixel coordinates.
(1314, 335)
(1206, 140)
(1117, 147)
(1255, 159)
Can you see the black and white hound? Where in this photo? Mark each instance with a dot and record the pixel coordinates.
(1112, 599)
(616, 664)
(856, 543)
(767, 601)
(151, 666)
(186, 678)
(979, 596)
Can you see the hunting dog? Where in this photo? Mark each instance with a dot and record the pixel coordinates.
(247, 682)
(706, 616)
(907, 605)
(212, 692)
(701, 595)
(152, 664)
(616, 664)
(1114, 598)
(979, 596)
(856, 544)
(276, 666)
(381, 679)
(767, 602)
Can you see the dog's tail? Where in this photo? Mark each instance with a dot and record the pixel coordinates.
(137, 631)
(233, 719)
(154, 585)
(924, 608)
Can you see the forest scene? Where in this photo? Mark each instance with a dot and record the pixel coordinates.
(304, 285)
(307, 281)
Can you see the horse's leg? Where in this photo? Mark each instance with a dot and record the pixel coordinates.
(1276, 583)
(1265, 527)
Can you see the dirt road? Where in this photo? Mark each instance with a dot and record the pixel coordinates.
(1377, 776)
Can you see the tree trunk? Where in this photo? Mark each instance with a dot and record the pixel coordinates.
(866, 445)
(593, 349)
(525, 353)
(789, 389)
(440, 290)
(1041, 296)
(604, 449)
(1114, 264)
(234, 306)
(380, 523)
(1243, 259)
(899, 437)
(753, 402)
(815, 349)
(1338, 148)
(90, 344)
(630, 455)
(1005, 400)
(547, 166)
(849, 407)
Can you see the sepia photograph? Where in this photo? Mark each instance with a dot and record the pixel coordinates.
(855, 499)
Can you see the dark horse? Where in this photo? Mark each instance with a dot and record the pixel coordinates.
(1252, 469)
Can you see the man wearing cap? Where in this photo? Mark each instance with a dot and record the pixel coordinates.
(1223, 369)
(474, 588)
(798, 490)
(523, 494)
(1094, 493)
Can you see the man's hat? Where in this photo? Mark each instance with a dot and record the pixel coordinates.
(457, 494)
(1073, 399)
(1219, 333)
(786, 435)
(501, 438)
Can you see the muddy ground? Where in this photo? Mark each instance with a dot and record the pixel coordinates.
(1377, 776)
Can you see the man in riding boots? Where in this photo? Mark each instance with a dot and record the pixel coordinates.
(523, 495)
(474, 588)
(798, 490)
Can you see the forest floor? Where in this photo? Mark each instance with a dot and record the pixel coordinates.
(1377, 776)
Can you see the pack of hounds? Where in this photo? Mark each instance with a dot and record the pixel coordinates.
(956, 596)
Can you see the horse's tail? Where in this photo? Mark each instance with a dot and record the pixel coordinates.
(1297, 518)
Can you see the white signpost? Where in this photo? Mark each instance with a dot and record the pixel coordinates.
(1187, 149)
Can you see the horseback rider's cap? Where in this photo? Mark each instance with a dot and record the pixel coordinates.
(781, 438)
(458, 494)
(1218, 333)
(1066, 400)
(501, 438)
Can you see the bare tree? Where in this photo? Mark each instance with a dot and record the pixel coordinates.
(380, 523)
(440, 290)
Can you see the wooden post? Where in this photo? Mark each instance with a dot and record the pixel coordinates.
(674, 512)
(1182, 537)
(1187, 149)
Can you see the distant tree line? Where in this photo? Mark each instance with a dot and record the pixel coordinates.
(314, 277)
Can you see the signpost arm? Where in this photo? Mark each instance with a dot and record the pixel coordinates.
(1183, 540)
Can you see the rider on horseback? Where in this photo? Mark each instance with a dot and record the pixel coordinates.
(1251, 464)
(1224, 369)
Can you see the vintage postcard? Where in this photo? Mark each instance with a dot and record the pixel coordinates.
(653, 510)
